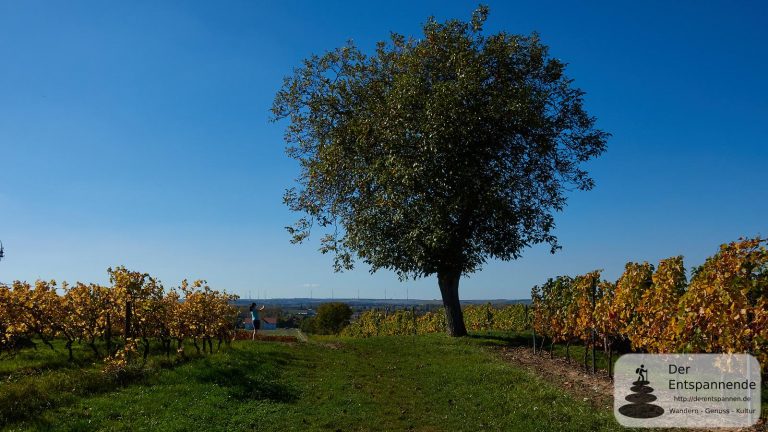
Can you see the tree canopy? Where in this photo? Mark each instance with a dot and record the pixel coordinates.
(433, 155)
(332, 317)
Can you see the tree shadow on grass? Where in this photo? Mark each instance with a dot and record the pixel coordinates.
(512, 340)
(254, 376)
(245, 375)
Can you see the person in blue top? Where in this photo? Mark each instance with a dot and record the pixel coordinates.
(255, 318)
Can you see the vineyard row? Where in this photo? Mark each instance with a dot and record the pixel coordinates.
(122, 319)
(723, 308)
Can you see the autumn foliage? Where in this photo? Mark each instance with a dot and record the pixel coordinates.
(724, 307)
(117, 322)
(408, 322)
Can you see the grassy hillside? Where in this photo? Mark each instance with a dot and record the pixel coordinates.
(389, 383)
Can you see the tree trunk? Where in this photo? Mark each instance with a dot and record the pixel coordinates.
(449, 289)
(108, 335)
(46, 342)
(128, 316)
(92, 344)
(146, 348)
(610, 362)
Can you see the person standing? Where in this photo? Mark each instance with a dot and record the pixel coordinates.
(255, 318)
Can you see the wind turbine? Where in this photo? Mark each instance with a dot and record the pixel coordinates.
(2, 251)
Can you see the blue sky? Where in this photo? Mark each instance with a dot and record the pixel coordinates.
(137, 133)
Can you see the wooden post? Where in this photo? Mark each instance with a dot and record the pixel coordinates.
(594, 332)
(610, 361)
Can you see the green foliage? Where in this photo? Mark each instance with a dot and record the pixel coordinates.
(432, 155)
(422, 150)
(331, 318)
(307, 325)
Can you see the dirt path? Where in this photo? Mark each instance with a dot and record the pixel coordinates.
(595, 389)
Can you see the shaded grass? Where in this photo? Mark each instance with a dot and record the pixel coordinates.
(31, 361)
(386, 383)
(27, 392)
(575, 351)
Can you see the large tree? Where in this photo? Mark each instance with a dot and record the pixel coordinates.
(433, 155)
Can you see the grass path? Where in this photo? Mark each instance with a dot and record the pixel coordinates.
(426, 383)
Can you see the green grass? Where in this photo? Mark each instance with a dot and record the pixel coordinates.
(424, 383)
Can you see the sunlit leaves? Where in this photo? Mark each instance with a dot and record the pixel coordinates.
(724, 308)
(555, 309)
(437, 153)
(726, 305)
(630, 287)
(135, 303)
(658, 308)
(407, 322)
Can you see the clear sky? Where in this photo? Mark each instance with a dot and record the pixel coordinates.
(137, 133)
